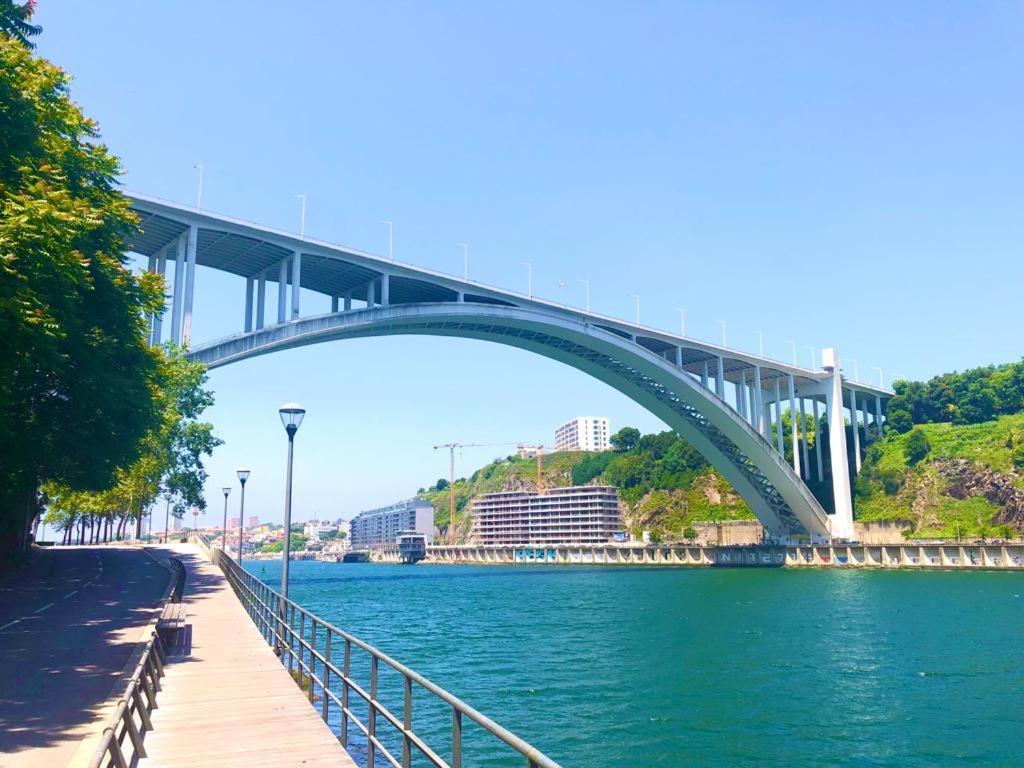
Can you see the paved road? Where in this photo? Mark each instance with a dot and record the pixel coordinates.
(68, 624)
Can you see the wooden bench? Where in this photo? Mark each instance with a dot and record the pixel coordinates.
(174, 630)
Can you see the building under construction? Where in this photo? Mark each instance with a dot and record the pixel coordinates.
(587, 514)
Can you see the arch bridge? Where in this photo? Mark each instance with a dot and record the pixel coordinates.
(727, 403)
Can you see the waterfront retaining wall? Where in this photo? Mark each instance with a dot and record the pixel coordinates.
(974, 556)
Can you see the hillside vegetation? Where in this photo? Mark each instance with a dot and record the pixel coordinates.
(664, 483)
(947, 480)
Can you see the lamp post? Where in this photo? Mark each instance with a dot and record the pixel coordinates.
(529, 278)
(199, 193)
(814, 358)
(224, 530)
(725, 343)
(291, 416)
(391, 239)
(167, 514)
(760, 343)
(586, 284)
(792, 344)
(302, 216)
(465, 261)
(682, 321)
(243, 475)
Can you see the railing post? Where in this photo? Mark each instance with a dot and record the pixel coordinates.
(456, 738)
(327, 676)
(344, 692)
(312, 659)
(371, 722)
(407, 724)
(302, 654)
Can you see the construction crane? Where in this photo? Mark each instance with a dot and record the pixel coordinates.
(451, 473)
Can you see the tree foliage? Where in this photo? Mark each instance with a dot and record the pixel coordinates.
(15, 21)
(77, 380)
(625, 439)
(970, 397)
(917, 446)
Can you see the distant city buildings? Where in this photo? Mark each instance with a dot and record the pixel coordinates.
(234, 522)
(584, 433)
(312, 529)
(576, 515)
(377, 528)
(252, 521)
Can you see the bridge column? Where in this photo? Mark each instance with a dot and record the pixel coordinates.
(842, 520)
(779, 439)
(817, 439)
(249, 281)
(282, 291)
(792, 425)
(803, 440)
(679, 358)
(720, 377)
(856, 431)
(385, 290)
(347, 301)
(704, 375)
(371, 294)
(161, 268)
(334, 303)
(261, 299)
(179, 287)
(296, 283)
(190, 283)
(758, 409)
(741, 394)
(878, 413)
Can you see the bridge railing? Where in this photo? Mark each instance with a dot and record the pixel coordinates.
(309, 647)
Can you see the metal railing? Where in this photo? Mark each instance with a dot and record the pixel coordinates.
(139, 700)
(307, 646)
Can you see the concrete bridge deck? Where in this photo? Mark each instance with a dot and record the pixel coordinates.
(230, 702)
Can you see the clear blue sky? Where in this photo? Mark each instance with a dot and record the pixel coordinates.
(843, 175)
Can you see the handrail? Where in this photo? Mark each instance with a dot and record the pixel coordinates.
(139, 699)
(307, 653)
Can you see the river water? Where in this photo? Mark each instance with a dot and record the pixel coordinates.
(701, 667)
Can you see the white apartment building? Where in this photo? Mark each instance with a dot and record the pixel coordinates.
(587, 514)
(380, 527)
(584, 433)
(312, 529)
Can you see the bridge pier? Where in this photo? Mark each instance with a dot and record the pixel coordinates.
(296, 282)
(842, 519)
(282, 289)
(261, 299)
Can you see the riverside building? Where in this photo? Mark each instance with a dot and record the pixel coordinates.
(587, 514)
(584, 433)
(377, 528)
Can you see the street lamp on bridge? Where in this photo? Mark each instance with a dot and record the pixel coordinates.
(291, 416)
(465, 261)
(636, 298)
(243, 475)
(224, 530)
(529, 278)
(391, 239)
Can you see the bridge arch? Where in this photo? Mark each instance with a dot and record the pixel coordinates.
(776, 494)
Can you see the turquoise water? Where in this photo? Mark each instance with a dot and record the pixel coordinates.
(709, 667)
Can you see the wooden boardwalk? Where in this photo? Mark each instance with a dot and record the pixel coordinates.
(231, 702)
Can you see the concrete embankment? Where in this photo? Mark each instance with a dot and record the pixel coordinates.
(946, 556)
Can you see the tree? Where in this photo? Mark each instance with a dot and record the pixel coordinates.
(77, 378)
(14, 21)
(917, 446)
(626, 439)
(690, 533)
(441, 484)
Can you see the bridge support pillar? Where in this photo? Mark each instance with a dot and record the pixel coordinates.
(296, 283)
(792, 425)
(248, 303)
(371, 294)
(347, 298)
(334, 303)
(758, 408)
(190, 283)
(842, 519)
(856, 430)
(158, 320)
(803, 440)
(817, 439)
(385, 290)
(720, 377)
(704, 375)
(878, 412)
(779, 438)
(179, 284)
(261, 299)
(282, 291)
(741, 395)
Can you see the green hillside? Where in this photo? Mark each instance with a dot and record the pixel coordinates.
(968, 481)
(663, 482)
